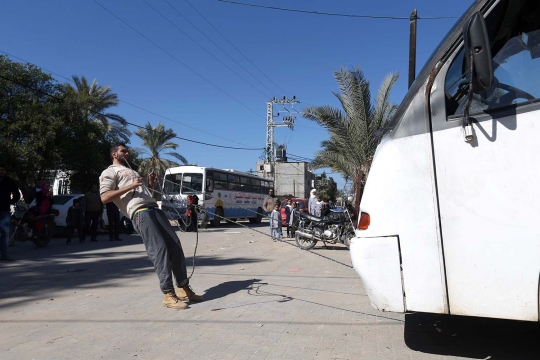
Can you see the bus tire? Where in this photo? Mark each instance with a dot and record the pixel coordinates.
(218, 215)
(257, 219)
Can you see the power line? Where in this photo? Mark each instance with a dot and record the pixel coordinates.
(337, 14)
(202, 47)
(241, 53)
(219, 47)
(127, 122)
(130, 104)
(178, 60)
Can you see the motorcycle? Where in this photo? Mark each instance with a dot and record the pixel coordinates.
(336, 227)
(27, 227)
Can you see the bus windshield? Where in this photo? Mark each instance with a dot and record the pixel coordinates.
(172, 184)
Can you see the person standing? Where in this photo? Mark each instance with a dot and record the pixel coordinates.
(123, 186)
(292, 221)
(318, 207)
(269, 203)
(191, 213)
(275, 222)
(75, 220)
(44, 199)
(9, 195)
(312, 201)
(288, 212)
(113, 215)
(93, 210)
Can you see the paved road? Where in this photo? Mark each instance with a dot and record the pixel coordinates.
(264, 300)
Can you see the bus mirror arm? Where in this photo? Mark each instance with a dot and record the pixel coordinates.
(478, 64)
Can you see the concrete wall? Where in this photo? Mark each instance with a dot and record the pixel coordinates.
(289, 178)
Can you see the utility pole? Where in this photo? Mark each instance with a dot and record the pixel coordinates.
(412, 47)
(288, 121)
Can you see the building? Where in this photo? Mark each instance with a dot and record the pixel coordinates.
(290, 178)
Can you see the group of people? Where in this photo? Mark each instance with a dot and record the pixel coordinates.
(317, 206)
(122, 187)
(10, 195)
(272, 205)
(86, 213)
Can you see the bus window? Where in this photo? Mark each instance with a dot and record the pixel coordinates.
(172, 184)
(209, 181)
(516, 66)
(220, 185)
(192, 183)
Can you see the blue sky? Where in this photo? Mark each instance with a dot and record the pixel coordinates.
(298, 54)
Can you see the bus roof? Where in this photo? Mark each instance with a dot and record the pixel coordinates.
(184, 168)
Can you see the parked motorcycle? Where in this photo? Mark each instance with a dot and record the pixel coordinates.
(27, 227)
(337, 227)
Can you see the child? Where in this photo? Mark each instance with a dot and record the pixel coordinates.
(292, 223)
(75, 220)
(288, 212)
(275, 222)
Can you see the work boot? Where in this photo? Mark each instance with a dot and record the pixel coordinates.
(186, 293)
(170, 300)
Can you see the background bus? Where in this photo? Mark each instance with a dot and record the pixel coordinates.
(226, 193)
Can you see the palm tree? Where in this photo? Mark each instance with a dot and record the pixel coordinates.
(93, 100)
(356, 129)
(157, 140)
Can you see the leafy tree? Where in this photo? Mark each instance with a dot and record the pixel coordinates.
(157, 140)
(89, 130)
(326, 187)
(356, 129)
(29, 105)
(93, 102)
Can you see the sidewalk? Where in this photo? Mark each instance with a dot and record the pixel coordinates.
(264, 300)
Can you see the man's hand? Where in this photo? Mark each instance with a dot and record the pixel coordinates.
(152, 178)
(136, 183)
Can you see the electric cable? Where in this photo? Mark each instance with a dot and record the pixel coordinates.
(128, 103)
(337, 14)
(241, 53)
(215, 44)
(178, 60)
(127, 122)
(202, 47)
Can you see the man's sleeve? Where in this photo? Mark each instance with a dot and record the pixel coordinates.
(107, 181)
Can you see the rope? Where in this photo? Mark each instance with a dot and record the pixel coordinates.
(205, 212)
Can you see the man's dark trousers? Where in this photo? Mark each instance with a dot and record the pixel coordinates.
(113, 215)
(163, 248)
(91, 220)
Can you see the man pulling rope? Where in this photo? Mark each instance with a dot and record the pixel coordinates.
(123, 186)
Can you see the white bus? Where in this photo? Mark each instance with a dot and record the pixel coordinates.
(227, 193)
(451, 208)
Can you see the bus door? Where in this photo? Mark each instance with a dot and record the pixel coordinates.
(488, 193)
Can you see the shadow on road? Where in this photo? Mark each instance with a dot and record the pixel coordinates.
(472, 337)
(40, 273)
(227, 288)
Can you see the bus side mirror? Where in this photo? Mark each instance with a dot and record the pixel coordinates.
(478, 53)
(207, 195)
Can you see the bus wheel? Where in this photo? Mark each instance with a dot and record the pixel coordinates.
(218, 215)
(258, 218)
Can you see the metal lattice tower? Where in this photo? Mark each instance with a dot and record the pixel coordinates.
(288, 121)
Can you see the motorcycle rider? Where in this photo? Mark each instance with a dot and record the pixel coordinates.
(9, 195)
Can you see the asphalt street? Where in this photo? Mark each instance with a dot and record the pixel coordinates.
(263, 300)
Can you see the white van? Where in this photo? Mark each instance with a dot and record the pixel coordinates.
(451, 208)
